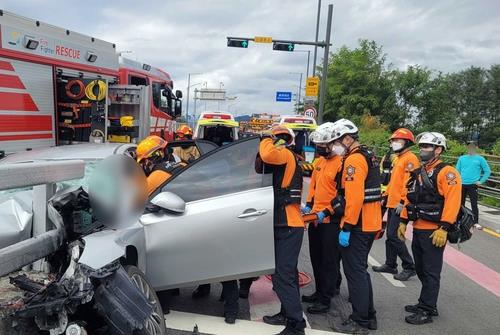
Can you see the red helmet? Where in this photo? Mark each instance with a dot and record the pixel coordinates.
(403, 134)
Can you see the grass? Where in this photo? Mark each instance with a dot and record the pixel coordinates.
(490, 201)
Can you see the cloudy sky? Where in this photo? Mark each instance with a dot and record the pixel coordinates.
(189, 36)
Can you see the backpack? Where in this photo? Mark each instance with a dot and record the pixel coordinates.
(462, 230)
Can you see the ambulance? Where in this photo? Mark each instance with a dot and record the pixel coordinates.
(302, 126)
(61, 87)
(217, 127)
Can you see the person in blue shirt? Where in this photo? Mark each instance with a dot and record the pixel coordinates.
(474, 171)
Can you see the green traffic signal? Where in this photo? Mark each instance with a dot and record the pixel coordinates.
(281, 46)
(237, 43)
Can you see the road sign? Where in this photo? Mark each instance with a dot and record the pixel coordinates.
(284, 96)
(312, 87)
(283, 46)
(237, 43)
(311, 112)
(263, 39)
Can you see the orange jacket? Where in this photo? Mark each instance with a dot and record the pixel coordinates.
(323, 186)
(271, 154)
(354, 175)
(449, 185)
(156, 179)
(400, 174)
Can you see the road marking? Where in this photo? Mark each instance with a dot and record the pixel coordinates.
(373, 262)
(469, 267)
(216, 325)
(490, 231)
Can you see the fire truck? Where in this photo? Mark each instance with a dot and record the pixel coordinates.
(61, 87)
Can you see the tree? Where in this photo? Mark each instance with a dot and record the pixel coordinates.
(357, 82)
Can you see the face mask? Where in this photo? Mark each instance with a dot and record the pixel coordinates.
(338, 149)
(426, 155)
(397, 146)
(322, 151)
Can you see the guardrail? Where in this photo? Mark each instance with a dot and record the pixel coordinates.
(42, 176)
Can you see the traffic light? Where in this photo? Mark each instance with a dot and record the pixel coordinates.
(237, 43)
(280, 46)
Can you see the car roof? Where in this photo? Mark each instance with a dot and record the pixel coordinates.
(85, 151)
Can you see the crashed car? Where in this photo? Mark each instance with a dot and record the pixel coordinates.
(217, 208)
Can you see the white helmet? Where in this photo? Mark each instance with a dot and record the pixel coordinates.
(324, 133)
(433, 138)
(343, 127)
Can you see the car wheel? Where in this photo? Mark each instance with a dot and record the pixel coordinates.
(155, 325)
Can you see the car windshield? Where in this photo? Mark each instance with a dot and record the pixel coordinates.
(89, 167)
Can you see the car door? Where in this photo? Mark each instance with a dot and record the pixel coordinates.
(226, 231)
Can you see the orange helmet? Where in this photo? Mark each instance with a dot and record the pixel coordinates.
(403, 134)
(280, 130)
(184, 131)
(148, 146)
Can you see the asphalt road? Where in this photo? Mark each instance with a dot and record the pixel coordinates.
(469, 303)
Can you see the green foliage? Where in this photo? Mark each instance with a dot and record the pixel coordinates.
(464, 105)
(490, 201)
(374, 134)
(495, 150)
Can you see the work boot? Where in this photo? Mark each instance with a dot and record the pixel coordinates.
(318, 308)
(385, 268)
(372, 323)
(230, 318)
(275, 320)
(417, 307)
(419, 318)
(201, 291)
(351, 327)
(294, 328)
(405, 275)
(310, 299)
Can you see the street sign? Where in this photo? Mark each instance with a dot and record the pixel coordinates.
(311, 112)
(280, 46)
(237, 43)
(263, 39)
(284, 96)
(210, 94)
(312, 87)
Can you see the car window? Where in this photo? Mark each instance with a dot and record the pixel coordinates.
(228, 170)
(206, 146)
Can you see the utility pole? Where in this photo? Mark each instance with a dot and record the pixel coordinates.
(325, 66)
(317, 33)
(188, 90)
(299, 92)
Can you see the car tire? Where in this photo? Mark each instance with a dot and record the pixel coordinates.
(156, 322)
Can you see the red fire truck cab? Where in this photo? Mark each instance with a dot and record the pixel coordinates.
(61, 87)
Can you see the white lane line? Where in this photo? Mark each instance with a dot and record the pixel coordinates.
(216, 325)
(373, 262)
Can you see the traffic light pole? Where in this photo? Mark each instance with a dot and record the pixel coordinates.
(317, 33)
(319, 44)
(325, 66)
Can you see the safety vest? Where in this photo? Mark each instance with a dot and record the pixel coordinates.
(373, 191)
(425, 202)
(284, 196)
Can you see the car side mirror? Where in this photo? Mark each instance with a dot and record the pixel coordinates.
(178, 94)
(170, 202)
(178, 108)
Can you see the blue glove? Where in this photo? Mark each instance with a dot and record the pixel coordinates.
(344, 238)
(305, 210)
(321, 216)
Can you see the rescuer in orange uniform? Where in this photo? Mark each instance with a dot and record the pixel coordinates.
(277, 157)
(362, 220)
(401, 141)
(434, 198)
(187, 153)
(155, 162)
(323, 233)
